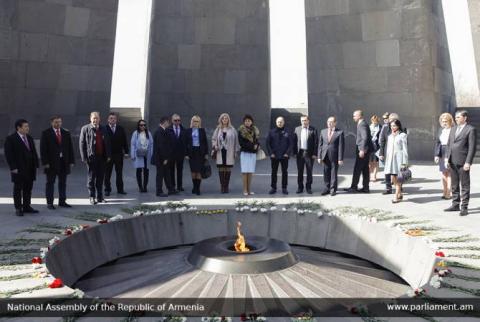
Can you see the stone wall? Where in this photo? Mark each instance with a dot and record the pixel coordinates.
(208, 57)
(56, 57)
(389, 55)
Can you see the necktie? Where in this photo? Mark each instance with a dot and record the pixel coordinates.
(459, 129)
(25, 141)
(330, 133)
(59, 136)
(113, 129)
(177, 131)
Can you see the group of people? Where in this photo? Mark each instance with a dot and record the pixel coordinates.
(104, 148)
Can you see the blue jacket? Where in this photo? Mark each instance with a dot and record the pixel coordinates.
(279, 142)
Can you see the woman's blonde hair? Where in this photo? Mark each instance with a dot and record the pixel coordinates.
(196, 118)
(374, 118)
(447, 116)
(219, 125)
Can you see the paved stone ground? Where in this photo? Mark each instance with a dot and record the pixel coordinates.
(422, 204)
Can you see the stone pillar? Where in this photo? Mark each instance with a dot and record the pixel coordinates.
(208, 57)
(56, 57)
(380, 56)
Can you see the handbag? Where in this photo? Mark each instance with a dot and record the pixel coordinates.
(206, 170)
(261, 154)
(141, 152)
(405, 175)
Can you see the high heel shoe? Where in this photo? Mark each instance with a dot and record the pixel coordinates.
(396, 200)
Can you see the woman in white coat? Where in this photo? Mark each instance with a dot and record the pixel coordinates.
(141, 150)
(396, 156)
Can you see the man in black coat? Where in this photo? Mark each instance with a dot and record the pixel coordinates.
(279, 146)
(459, 158)
(119, 146)
(177, 131)
(22, 160)
(95, 152)
(363, 148)
(331, 148)
(305, 148)
(162, 156)
(56, 151)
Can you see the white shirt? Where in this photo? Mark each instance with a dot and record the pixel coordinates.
(444, 136)
(459, 129)
(304, 138)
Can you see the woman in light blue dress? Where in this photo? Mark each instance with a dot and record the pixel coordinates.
(396, 156)
(141, 150)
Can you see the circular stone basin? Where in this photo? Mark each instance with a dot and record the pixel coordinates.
(217, 255)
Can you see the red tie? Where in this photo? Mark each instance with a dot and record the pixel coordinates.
(59, 136)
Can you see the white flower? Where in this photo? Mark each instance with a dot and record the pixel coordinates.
(53, 241)
(116, 218)
(273, 208)
(284, 209)
(137, 213)
(168, 210)
(246, 207)
(36, 265)
(236, 209)
(319, 214)
(254, 209)
(77, 293)
(411, 293)
(43, 252)
(330, 214)
(300, 211)
(261, 318)
(205, 319)
(263, 209)
(295, 209)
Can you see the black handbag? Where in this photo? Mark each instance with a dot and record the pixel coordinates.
(206, 170)
(405, 175)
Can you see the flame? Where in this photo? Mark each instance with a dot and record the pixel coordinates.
(240, 242)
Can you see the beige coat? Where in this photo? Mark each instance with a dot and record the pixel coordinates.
(231, 145)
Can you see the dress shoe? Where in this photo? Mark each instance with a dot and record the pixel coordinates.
(452, 208)
(364, 190)
(299, 190)
(325, 192)
(161, 194)
(387, 192)
(272, 191)
(101, 200)
(93, 201)
(181, 189)
(285, 191)
(351, 190)
(18, 212)
(309, 191)
(463, 212)
(333, 193)
(52, 207)
(64, 205)
(121, 193)
(30, 210)
(107, 193)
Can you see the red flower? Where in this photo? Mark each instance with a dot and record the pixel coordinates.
(439, 254)
(102, 221)
(36, 260)
(243, 317)
(57, 283)
(68, 232)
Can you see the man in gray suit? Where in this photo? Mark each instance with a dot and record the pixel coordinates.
(459, 157)
(364, 147)
(331, 147)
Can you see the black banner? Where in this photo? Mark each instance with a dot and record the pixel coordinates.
(244, 308)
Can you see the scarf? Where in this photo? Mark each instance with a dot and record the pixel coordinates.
(251, 133)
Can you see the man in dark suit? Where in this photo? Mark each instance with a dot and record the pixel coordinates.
(305, 148)
(279, 145)
(331, 148)
(56, 151)
(459, 157)
(22, 160)
(162, 155)
(363, 148)
(95, 151)
(177, 131)
(382, 141)
(119, 146)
